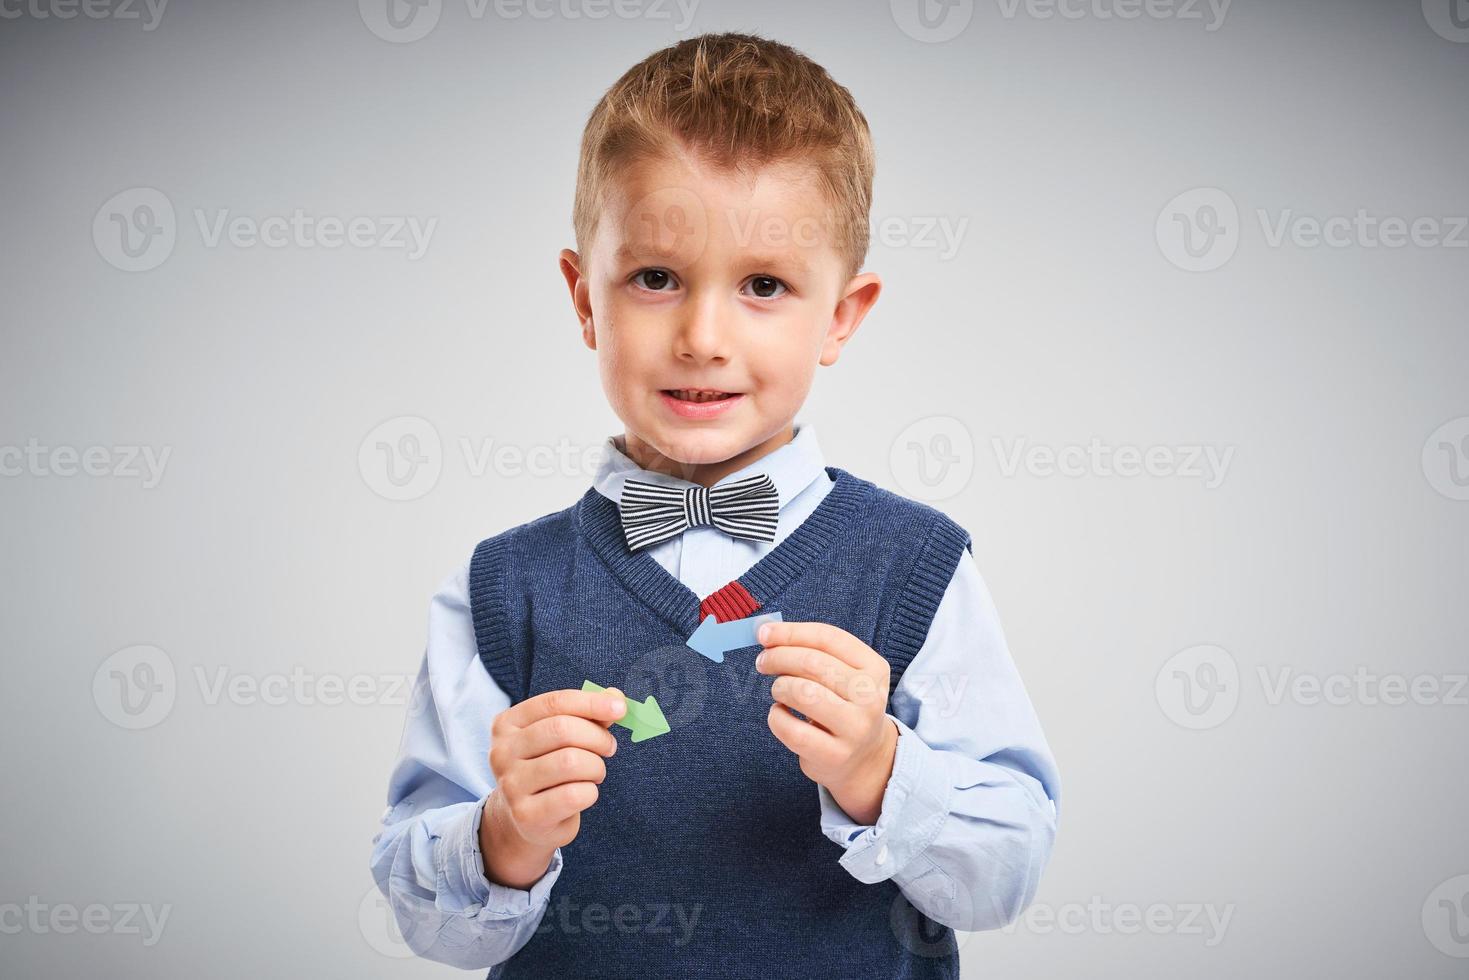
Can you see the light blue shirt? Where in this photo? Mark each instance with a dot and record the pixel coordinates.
(967, 820)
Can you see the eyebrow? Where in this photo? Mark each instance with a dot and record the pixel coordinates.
(780, 260)
(774, 260)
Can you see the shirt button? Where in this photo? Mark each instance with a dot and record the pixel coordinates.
(882, 854)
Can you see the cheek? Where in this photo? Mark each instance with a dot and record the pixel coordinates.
(627, 353)
(787, 358)
(786, 380)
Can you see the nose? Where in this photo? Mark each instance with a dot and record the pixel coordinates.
(703, 334)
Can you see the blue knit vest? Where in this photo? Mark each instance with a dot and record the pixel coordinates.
(703, 855)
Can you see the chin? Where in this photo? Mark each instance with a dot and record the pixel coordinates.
(698, 447)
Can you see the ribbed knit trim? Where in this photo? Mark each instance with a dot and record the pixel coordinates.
(921, 594)
(768, 576)
(731, 601)
(487, 604)
(675, 602)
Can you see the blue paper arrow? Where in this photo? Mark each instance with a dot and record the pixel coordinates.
(713, 638)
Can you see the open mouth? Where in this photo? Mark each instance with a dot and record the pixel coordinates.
(699, 395)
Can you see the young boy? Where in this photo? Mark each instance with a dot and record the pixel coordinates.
(721, 219)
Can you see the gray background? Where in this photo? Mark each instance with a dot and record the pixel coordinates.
(1331, 834)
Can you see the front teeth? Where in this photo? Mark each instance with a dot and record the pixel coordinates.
(697, 396)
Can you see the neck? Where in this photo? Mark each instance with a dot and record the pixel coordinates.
(704, 474)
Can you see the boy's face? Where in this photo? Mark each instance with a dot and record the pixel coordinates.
(701, 279)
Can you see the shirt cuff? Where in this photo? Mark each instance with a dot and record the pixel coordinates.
(914, 807)
(463, 886)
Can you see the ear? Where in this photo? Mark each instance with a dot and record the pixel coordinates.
(581, 297)
(860, 293)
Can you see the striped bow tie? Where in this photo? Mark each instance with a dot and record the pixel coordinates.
(654, 512)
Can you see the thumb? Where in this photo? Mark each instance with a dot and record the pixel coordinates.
(617, 698)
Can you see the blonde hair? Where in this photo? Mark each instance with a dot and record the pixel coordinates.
(735, 100)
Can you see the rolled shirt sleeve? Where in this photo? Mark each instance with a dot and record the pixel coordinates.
(426, 860)
(969, 814)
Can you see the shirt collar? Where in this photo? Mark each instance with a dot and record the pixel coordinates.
(792, 467)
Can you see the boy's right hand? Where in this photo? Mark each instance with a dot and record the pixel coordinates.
(546, 753)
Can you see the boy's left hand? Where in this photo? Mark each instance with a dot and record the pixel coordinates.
(841, 685)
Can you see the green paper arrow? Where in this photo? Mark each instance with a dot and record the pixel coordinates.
(644, 720)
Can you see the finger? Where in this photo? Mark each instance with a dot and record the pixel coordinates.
(553, 806)
(813, 664)
(569, 765)
(818, 703)
(822, 636)
(805, 740)
(560, 731)
(603, 707)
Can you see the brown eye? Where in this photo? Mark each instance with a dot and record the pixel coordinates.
(766, 286)
(653, 279)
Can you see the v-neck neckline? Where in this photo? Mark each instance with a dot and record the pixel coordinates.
(600, 521)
